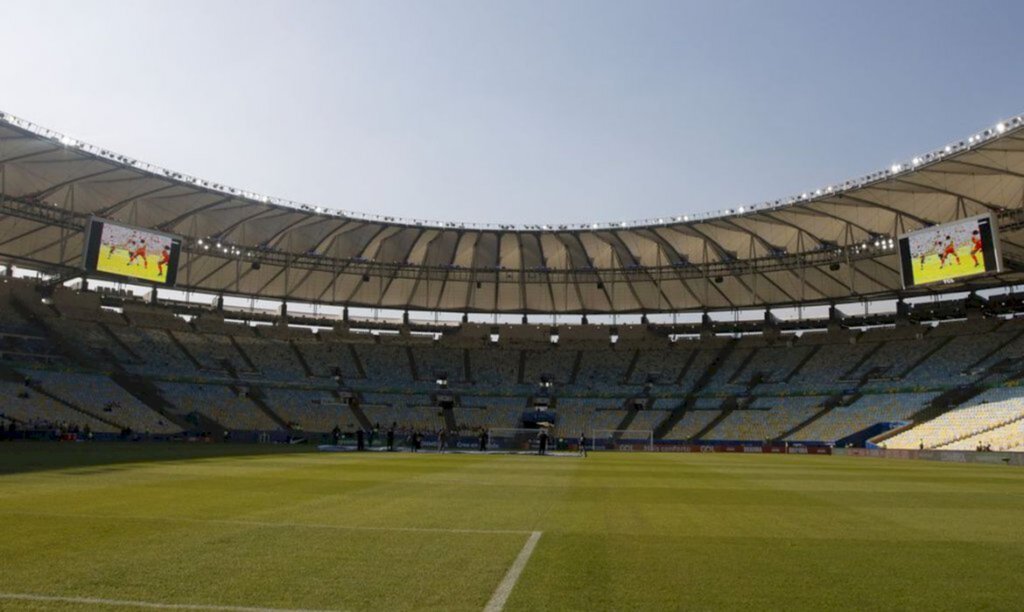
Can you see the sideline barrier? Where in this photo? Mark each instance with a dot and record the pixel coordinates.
(950, 456)
(775, 449)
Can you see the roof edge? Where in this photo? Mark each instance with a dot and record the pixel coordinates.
(994, 132)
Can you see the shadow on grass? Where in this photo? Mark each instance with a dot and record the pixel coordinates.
(99, 457)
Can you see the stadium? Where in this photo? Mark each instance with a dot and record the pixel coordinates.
(533, 329)
(721, 350)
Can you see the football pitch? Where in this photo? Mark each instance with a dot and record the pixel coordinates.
(230, 527)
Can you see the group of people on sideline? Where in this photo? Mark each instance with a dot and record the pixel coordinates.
(442, 440)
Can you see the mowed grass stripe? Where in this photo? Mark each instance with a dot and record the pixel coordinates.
(267, 524)
(123, 603)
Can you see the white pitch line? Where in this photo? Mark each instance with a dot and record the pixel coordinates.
(127, 603)
(508, 583)
(271, 524)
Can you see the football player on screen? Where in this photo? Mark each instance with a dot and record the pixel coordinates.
(975, 247)
(165, 259)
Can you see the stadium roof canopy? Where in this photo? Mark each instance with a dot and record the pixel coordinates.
(830, 245)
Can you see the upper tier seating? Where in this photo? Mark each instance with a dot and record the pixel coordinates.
(552, 364)
(387, 365)
(275, 359)
(433, 361)
(496, 368)
(158, 353)
(327, 358)
(603, 369)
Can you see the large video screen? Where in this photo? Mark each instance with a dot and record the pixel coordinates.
(949, 251)
(131, 252)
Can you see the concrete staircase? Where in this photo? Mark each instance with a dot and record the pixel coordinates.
(714, 423)
(146, 392)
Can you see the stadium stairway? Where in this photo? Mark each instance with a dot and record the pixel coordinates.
(925, 357)
(847, 375)
(302, 360)
(875, 373)
(1011, 340)
(357, 361)
(258, 397)
(728, 407)
(756, 379)
(826, 407)
(413, 370)
(807, 359)
(120, 343)
(245, 356)
(686, 368)
(690, 401)
(691, 398)
(712, 368)
(146, 392)
(229, 367)
(628, 419)
(69, 348)
(33, 310)
(576, 364)
(631, 368)
(742, 367)
(449, 419)
(674, 416)
(184, 350)
(37, 315)
(356, 410)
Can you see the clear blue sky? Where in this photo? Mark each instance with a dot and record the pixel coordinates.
(526, 112)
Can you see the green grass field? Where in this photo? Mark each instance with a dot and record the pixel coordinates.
(117, 263)
(257, 527)
(934, 270)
